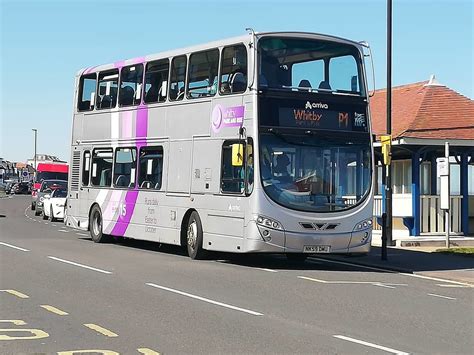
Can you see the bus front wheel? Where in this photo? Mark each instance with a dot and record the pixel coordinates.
(194, 237)
(95, 226)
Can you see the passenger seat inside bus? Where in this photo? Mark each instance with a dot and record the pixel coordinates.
(324, 85)
(304, 84)
(126, 96)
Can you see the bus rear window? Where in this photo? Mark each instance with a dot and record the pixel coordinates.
(86, 95)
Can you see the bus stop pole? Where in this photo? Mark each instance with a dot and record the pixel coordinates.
(447, 215)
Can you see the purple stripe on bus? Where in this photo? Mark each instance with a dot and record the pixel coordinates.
(142, 122)
(123, 221)
(141, 130)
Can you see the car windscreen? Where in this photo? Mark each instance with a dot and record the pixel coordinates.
(60, 193)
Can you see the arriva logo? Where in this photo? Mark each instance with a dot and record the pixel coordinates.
(310, 105)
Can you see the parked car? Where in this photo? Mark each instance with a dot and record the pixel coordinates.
(54, 204)
(47, 186)
(21, 188)
(8, 187)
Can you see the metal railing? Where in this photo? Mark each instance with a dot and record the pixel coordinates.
(432, 216)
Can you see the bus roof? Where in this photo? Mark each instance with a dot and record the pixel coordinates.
(57, 168)
(224, 42)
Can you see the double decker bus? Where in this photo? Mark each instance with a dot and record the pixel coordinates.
(260, 143)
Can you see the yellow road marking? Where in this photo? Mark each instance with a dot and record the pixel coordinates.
(14, 321)
(37, 334)
(15, 293)
(101, 330)
(54, 310)
(147, 351)
(103, 352)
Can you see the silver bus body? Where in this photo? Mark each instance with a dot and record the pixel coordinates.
(191, 133)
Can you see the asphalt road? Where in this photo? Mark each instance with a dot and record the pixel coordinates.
(60, 292)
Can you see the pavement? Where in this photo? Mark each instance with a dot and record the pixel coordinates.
(417, 261)
(62, 293)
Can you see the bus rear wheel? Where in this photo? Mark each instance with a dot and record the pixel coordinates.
(194, 237)
(95, 226)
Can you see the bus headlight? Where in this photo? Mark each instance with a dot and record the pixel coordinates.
(365, 224)
(268, 223)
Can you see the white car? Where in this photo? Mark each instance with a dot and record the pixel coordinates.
(53, 205)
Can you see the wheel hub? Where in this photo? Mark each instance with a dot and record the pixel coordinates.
(192, 235)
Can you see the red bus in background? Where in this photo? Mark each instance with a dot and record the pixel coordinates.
(47, 171)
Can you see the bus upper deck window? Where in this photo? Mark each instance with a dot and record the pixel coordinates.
(233, 70)
(87, 86)
(178, 76)
(130, 85)
(202, 74)
(108, 87)
(156, 80)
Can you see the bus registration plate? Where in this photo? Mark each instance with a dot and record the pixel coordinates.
(317, 248)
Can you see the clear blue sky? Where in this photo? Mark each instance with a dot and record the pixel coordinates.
(44, 43)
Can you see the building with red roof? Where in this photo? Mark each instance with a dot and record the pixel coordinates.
(426, 115)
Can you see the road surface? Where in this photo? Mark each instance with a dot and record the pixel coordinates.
(61, 293)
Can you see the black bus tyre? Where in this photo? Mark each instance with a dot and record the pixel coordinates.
(296, 257)
(194, 237)
(45, 216)
(95, 226)
(37, 213)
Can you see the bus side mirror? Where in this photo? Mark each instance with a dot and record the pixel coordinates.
(237, 154)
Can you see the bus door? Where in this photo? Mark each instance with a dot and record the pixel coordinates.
(83, 202)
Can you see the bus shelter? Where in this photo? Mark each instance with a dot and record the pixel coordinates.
(425, 116)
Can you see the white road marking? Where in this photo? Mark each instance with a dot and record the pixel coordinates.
(61, 230)
(265, 269)
(437, 279)
(80, 265)
(393, 272)
(440, 296)
(382, 285)
(83, 234)
(374, 283)
(372, 345)
(205, 299)
(46, 223)
(454, 286)
(12, 246)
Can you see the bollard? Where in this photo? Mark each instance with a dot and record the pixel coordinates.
(384, 236)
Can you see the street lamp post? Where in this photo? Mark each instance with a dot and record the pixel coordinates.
(36, 135)
(388, 183)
